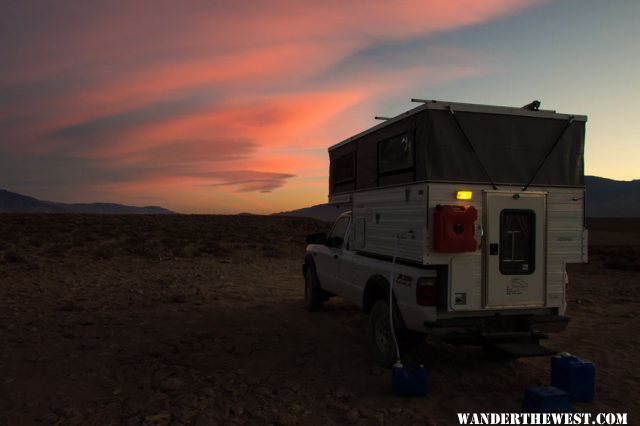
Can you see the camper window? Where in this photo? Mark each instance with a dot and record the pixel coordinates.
(344, 168)
(395, 154)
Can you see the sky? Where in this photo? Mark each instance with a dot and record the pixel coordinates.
(226, 107)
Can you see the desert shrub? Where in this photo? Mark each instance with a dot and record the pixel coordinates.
(216, 249)
(14, 257)
(182, 251)
(35, 241)
(79, 238)
(171, 242)
(151, 248)
(69, 305)
(104, 252)
(56, 249)
(135, 239)
(9, 236)
(271, 251)
(192, 250)
(177, 298)
(622, 265)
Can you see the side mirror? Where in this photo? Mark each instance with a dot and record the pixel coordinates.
(319, 238)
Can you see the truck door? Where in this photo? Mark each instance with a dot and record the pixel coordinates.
(514, 249)
(327, 257)
(347, 270)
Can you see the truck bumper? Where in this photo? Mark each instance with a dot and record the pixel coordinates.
(514, 336)
(496, 325)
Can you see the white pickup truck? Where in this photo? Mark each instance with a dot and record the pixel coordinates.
(332, 268)
(482, 209)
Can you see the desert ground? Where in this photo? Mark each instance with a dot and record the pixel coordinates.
(199, 320)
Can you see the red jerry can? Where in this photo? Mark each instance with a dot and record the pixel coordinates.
(454, 229)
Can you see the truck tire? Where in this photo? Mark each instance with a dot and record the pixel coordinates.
(381, 343)
(313, 294)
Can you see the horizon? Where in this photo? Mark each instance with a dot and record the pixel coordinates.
(222, 109)
(237, 213)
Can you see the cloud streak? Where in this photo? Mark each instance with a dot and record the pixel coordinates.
(249, 180)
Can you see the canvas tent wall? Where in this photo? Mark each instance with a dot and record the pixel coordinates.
(435, 142)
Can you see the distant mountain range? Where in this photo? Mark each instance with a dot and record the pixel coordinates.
(10, 202)
(325, 212)
(605, 198)
(612, 198)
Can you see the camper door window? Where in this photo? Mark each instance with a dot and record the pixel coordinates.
(395, 154)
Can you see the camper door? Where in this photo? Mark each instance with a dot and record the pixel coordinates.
(514, 249)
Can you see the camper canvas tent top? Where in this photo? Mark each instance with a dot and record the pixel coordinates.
(455, 142)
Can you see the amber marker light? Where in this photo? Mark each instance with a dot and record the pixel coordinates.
(464, 195)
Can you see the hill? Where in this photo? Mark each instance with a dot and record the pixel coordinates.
(11, 202)
(612, 198)
(324, 212)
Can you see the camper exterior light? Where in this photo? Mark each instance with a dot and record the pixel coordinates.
(464, 195)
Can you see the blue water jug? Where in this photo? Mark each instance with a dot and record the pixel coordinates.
(409, 380)
(575, 376)
(546, 399)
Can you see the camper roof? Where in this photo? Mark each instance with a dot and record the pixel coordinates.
(464, 107)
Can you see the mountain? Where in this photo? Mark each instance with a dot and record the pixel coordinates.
(10, 202)
(605, 198)
(325, 212)
(612, 198)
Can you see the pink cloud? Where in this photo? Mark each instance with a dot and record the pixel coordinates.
(81, 32)
(267, 121)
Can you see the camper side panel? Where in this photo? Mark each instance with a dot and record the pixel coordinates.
(566, 238)
(391, 221)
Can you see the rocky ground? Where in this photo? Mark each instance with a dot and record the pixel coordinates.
(198, 320)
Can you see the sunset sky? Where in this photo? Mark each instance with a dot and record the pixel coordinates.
(226, 107)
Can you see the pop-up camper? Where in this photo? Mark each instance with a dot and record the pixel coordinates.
(488, 200)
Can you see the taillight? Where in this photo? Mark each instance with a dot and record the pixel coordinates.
(426, 292)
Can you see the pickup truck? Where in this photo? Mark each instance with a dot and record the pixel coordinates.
(332, 268)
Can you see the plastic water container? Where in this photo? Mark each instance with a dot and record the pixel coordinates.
(575, 376)
(409, 380)
(546, 399)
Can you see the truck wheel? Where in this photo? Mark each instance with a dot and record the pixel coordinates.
(313, 296)
(381, 343)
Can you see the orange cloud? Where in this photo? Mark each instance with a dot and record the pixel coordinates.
(274, 121)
